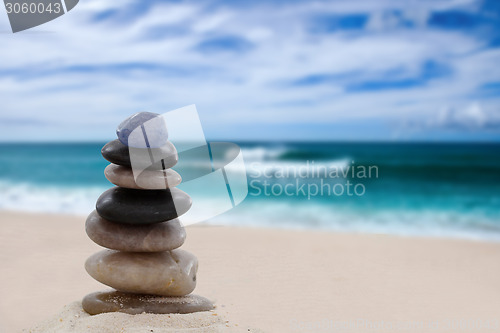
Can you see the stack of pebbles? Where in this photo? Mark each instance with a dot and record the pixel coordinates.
(137, 221)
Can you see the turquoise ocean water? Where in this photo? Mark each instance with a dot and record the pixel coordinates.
(444, 190)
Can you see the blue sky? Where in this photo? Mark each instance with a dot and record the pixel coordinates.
(259, 70)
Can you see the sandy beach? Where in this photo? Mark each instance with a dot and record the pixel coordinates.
(272, 280)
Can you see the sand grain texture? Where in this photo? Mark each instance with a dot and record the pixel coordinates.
(72, 319)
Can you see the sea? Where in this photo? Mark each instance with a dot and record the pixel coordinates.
(449, 190)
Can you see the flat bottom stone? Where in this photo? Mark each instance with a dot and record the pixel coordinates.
(117, 301)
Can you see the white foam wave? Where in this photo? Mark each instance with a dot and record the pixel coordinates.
(262, 153)
(48, 199)
(421, 223)
(274, 213)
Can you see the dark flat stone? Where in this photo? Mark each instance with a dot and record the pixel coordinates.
(132, 206)
(116, 301)
(116, 152)
(143, 130)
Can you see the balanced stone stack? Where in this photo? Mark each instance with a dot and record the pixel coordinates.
(137, 221)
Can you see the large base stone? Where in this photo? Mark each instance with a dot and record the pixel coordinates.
(116, 301)
(170, 273)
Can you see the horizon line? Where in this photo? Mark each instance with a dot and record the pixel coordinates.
(273, 141)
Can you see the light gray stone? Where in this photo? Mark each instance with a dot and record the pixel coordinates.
(157, 237)
(171, 273)
(146, 180)
(143, 130)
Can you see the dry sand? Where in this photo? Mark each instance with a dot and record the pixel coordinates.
(73, 318)
(273, 280)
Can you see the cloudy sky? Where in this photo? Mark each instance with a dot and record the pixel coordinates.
(259, 70)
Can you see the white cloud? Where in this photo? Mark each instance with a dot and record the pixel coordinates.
(211, 22)
(471, 117)
(235, 88)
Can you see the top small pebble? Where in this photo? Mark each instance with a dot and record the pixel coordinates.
(131, 134)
